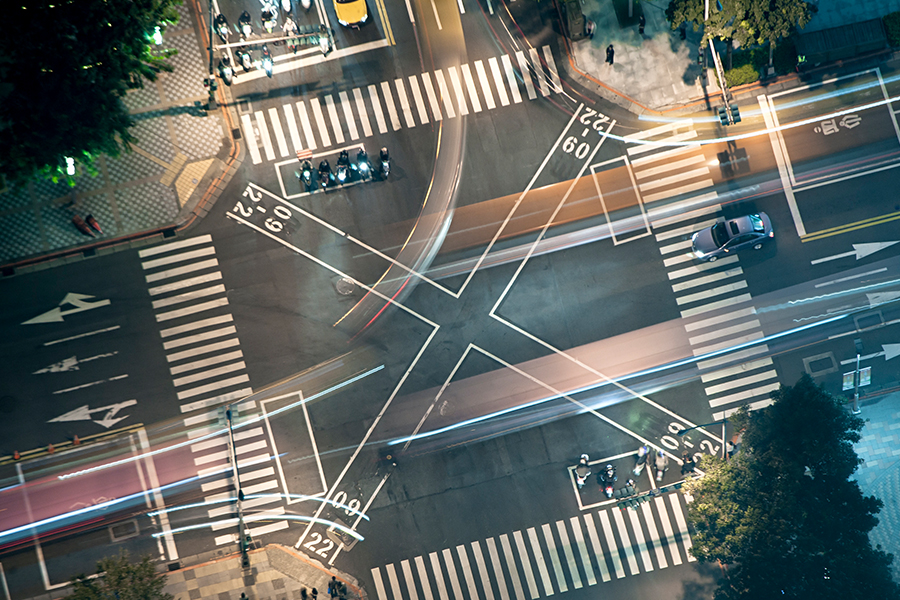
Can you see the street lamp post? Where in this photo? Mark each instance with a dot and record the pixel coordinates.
(212, 73)
(724, 423)
(245, 543)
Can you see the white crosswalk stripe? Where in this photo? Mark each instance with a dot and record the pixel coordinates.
(327, 119)
(542, 561)
(210, 375)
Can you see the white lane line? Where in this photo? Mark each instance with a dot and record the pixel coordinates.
(470, 86)
(432, 97)
(638, 533)
(292, 127)
(211, 387)
(305, 124)
(404, 103)
(570, 557)
(279, 132)
(767, 108)
(598, 549)
(702, 267)
(730, 385)
(666, 154)
(719, 319)
(654, 536)
(731, 357)
(379, 584)
(438, 576)
(682, 526)
(376, 106)
(511, 78)
(226, 481)
(209, 374)
(526, 75)
(417, 96)
(451, 573)
(710, 293)
(184, 283)
(688, 229)
(672, 165)
(667, 530)
(626, 541)
(498, 81)
(363, 115)
(541, 563)
(348, 115)
(392, 578)
(582, 551)
(467, 571)
(223, 442)
(191, 310)
(213, 415)
(462, 9)
(203, 350)
(250, 136)
(264, 135)
(206, 362)
(205, 459)
(707, 279)
(423, 577)
(485, 85)
(554, 558)
(194, 241)
(723, 332)
(511, 566)
(665, 143)
(756, 335)
(437, 17)
(335, 121)
(718, 416)
(684, 189)
(745, 395)
(673, 179)
(445, 94)
(664, 128)
(389, 102)
(199, 337)
(736, 370)
(539, 72)
(498, 569)
(682, 245)
(188, 296)
(551, 66)
(168, 260)
(677, 260)
(456, 84)
(851, 277)
(195, 325)
(82, 335)
(482, 571)
(320, 122)
(410, 582)
(526, 565)
(215, 401)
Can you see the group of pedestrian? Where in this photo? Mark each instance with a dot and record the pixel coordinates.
(610, 50)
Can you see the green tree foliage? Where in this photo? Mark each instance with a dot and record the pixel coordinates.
(749, 22)
(65, 66)
(119, 579)
(783, 515)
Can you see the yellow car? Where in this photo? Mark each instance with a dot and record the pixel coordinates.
(351, 13)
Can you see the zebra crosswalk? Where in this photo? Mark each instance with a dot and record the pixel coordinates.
(716, 308)
(547, 559)
(205, 362)
(319, 122)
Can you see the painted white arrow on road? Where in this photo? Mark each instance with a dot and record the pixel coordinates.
(859, 251)
(882, 297)
(84, 413)
(71, 363)
(79, 301)
(890, 350)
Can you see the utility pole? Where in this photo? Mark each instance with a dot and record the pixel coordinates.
(212, 74)
(245, 540)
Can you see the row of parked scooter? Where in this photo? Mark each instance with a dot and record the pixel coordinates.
(347, 172)
(608, 477)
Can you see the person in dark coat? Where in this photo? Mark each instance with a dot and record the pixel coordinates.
(610, 54)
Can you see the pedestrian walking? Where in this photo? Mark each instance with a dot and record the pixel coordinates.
(687, 464)
(589, 28)
(333, 587)
(641, 22)
(610, 54)
(315, 594)
(303, 594)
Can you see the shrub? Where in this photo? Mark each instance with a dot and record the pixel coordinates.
(892, 28)
(741, 75)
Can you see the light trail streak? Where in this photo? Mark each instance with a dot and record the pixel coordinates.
(279, 517)
(170, 510)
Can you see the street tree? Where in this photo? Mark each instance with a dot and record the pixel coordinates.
(783, 515)
(748, 22)
(65, 66)
(119, 579)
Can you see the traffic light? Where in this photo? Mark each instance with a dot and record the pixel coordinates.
(735, 114)
(723, 115)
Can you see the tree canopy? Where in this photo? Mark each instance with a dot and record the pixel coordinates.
(65, 66)
(121, 580)
(747, 21)
(782, 514)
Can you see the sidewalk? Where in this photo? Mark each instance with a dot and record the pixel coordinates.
(879, 474)
(163, 183)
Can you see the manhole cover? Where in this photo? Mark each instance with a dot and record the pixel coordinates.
(345, 286)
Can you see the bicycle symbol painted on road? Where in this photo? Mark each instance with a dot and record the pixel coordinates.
(828, 127)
